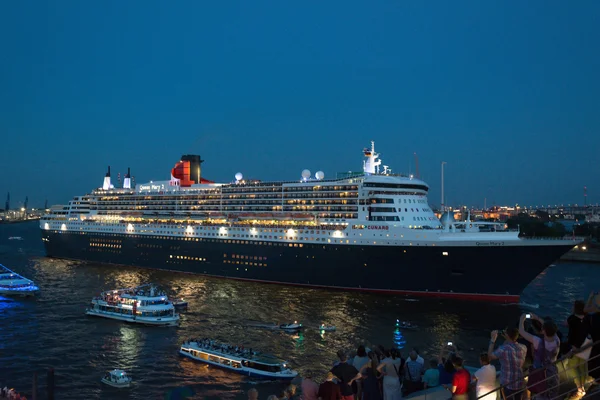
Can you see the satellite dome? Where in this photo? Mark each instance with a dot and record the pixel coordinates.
(239, 176)
(319, 175)
(306, 174)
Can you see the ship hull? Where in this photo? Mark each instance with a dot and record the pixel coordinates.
(470, 272)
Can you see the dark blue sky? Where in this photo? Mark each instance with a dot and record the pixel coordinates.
(506, 92)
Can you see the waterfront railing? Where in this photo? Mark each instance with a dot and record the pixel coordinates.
(566, 374)
(563, 389)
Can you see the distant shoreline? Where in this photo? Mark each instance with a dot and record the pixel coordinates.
(18, 221)
(588, 256)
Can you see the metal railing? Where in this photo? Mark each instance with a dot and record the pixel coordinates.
(553, 390)
(564, 238)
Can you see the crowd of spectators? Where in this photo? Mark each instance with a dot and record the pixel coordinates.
(11, 394)
(527, 360)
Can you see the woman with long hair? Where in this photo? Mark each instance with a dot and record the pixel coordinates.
(391, 368)
(370, 381)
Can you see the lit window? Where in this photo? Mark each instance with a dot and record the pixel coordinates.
(444, 253)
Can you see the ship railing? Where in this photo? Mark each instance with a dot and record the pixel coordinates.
(564, 386)
(564, 238)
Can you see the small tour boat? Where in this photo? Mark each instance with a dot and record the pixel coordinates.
(15, 238)
(12, 283)
(145, 304)
(291, 326)
(117, 378)
(327, 328)
(406, 325)
(237, 358)
(180, 304)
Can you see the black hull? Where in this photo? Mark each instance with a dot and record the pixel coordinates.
(469, 272)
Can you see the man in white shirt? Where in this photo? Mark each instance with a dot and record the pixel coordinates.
(486, 379)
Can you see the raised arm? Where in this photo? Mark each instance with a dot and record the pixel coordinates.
(526, 335)
(441, 355)
(493, 337)
(455, 350)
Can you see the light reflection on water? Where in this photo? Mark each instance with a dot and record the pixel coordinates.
(52, 330)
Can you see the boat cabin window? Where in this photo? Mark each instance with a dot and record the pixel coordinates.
(153, 302)
(262, 367)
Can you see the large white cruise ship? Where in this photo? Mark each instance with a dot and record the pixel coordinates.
(371, 231)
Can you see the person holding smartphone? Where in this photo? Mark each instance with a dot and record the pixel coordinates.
(512, 357)
(545, 352)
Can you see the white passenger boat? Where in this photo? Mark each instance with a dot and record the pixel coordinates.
(15, 238)
(145, 304)
(12, 283)
(117, 378)
(406, 325)
(327, 328)
(237, 359)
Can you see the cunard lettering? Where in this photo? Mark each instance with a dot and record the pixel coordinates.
(382, 227)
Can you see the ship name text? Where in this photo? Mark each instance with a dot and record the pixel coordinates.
(380, 227)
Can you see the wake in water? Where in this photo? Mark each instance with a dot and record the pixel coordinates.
(263, 325)
(526, 305)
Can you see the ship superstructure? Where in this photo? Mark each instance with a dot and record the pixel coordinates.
(372, 230)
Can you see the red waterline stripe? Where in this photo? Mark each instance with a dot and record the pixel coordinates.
(493, 298)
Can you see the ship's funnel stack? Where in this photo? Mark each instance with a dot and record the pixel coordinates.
(127, 180)
(188, 171)
(195, 166)
(107, 184)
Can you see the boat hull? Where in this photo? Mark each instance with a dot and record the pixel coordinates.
(19, 293)
(243, 371)
(469, 271)
(117, 385)
(137, 320)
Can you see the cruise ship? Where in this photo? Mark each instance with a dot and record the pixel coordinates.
(365, 231)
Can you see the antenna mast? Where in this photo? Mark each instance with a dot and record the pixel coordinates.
(417, 165)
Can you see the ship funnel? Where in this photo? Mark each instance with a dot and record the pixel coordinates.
(188, 171)
(195, 166)
(127, 180)
(107, 184)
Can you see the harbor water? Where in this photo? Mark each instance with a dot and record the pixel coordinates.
(52, 331)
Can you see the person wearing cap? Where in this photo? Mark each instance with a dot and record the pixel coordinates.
(329, 390)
